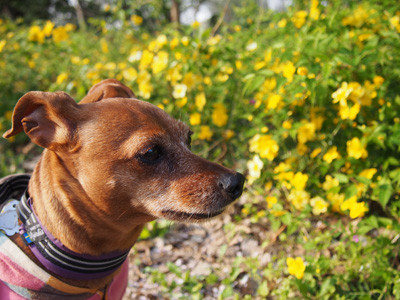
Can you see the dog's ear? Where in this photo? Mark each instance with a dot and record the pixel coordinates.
(47, 118)
(109, 88)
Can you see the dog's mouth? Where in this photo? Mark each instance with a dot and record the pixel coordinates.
(184, 216)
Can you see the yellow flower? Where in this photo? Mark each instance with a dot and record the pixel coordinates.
(358, 18)
(75, 60)
(185, 41)
(368, 173)
(137, 20)
(361, 188)
(302, 71)
(60, 34)
(259, 65)
(222, 77)
(36, 34)
(61, 78)
(319, 205)
(181, 102)
(268, 85)
(145, 89)
(357, 209)
(179, 91)
(146, 59)
(271, 200)
(228, 134)
(205, 133)
(356, 149)
(254, 166)
(302, 149)
(161, 41)
(111, 66)
(265, 146)
(341, 94)
(315, 152)
(331, 154)
(189, 80)
(2, 44)
(214, 40)
(299, 181)
(287, 124)
(238, 64)
(200, 101)
(273, 101)
(282, 23)
(207, 80)
(277, 213)
(160, 62)
(314, 11)
(330, 182)
(346, 112)
(195, 119)
(174, 43)
(395, 22)
(288, 70)
(299, 18)
(130, 74)
(378, 80)
(268, 55)
(219, 115)
(196, 24)
(48, 27)
(69, 27)
(299, 199)
(282, 167)
(296, 267)
(143, 77)
(306, 132)
(336, 200)
(174, 74)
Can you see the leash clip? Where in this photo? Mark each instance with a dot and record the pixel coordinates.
(9, 218)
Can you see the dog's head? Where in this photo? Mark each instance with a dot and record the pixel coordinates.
(128, 156)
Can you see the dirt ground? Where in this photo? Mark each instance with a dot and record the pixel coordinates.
(203, 249)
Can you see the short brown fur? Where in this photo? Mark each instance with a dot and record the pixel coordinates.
(93, 187)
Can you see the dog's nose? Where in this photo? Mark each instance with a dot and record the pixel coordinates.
(232, 184)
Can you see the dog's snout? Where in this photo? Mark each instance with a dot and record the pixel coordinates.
(232, 184)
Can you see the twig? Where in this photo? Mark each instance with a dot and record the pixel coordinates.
(221, 18)
(79, 15)
(275, 236)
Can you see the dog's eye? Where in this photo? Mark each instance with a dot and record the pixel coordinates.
(152, 155)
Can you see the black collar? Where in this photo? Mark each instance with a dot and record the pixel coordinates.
(56, 257)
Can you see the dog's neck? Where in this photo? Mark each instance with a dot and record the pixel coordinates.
(75, 219)
(56, 257)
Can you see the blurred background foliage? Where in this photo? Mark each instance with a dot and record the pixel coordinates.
(303, 99)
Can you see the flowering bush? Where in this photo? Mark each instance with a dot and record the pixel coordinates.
(306, 102)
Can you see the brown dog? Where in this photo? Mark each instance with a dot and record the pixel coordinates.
(112, 163)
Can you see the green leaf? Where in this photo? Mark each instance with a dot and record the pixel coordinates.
(385, 192)
(328, 286)
(266, 73)
(350, 191)
(341, 177)
(253, 84)
(263, 289)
